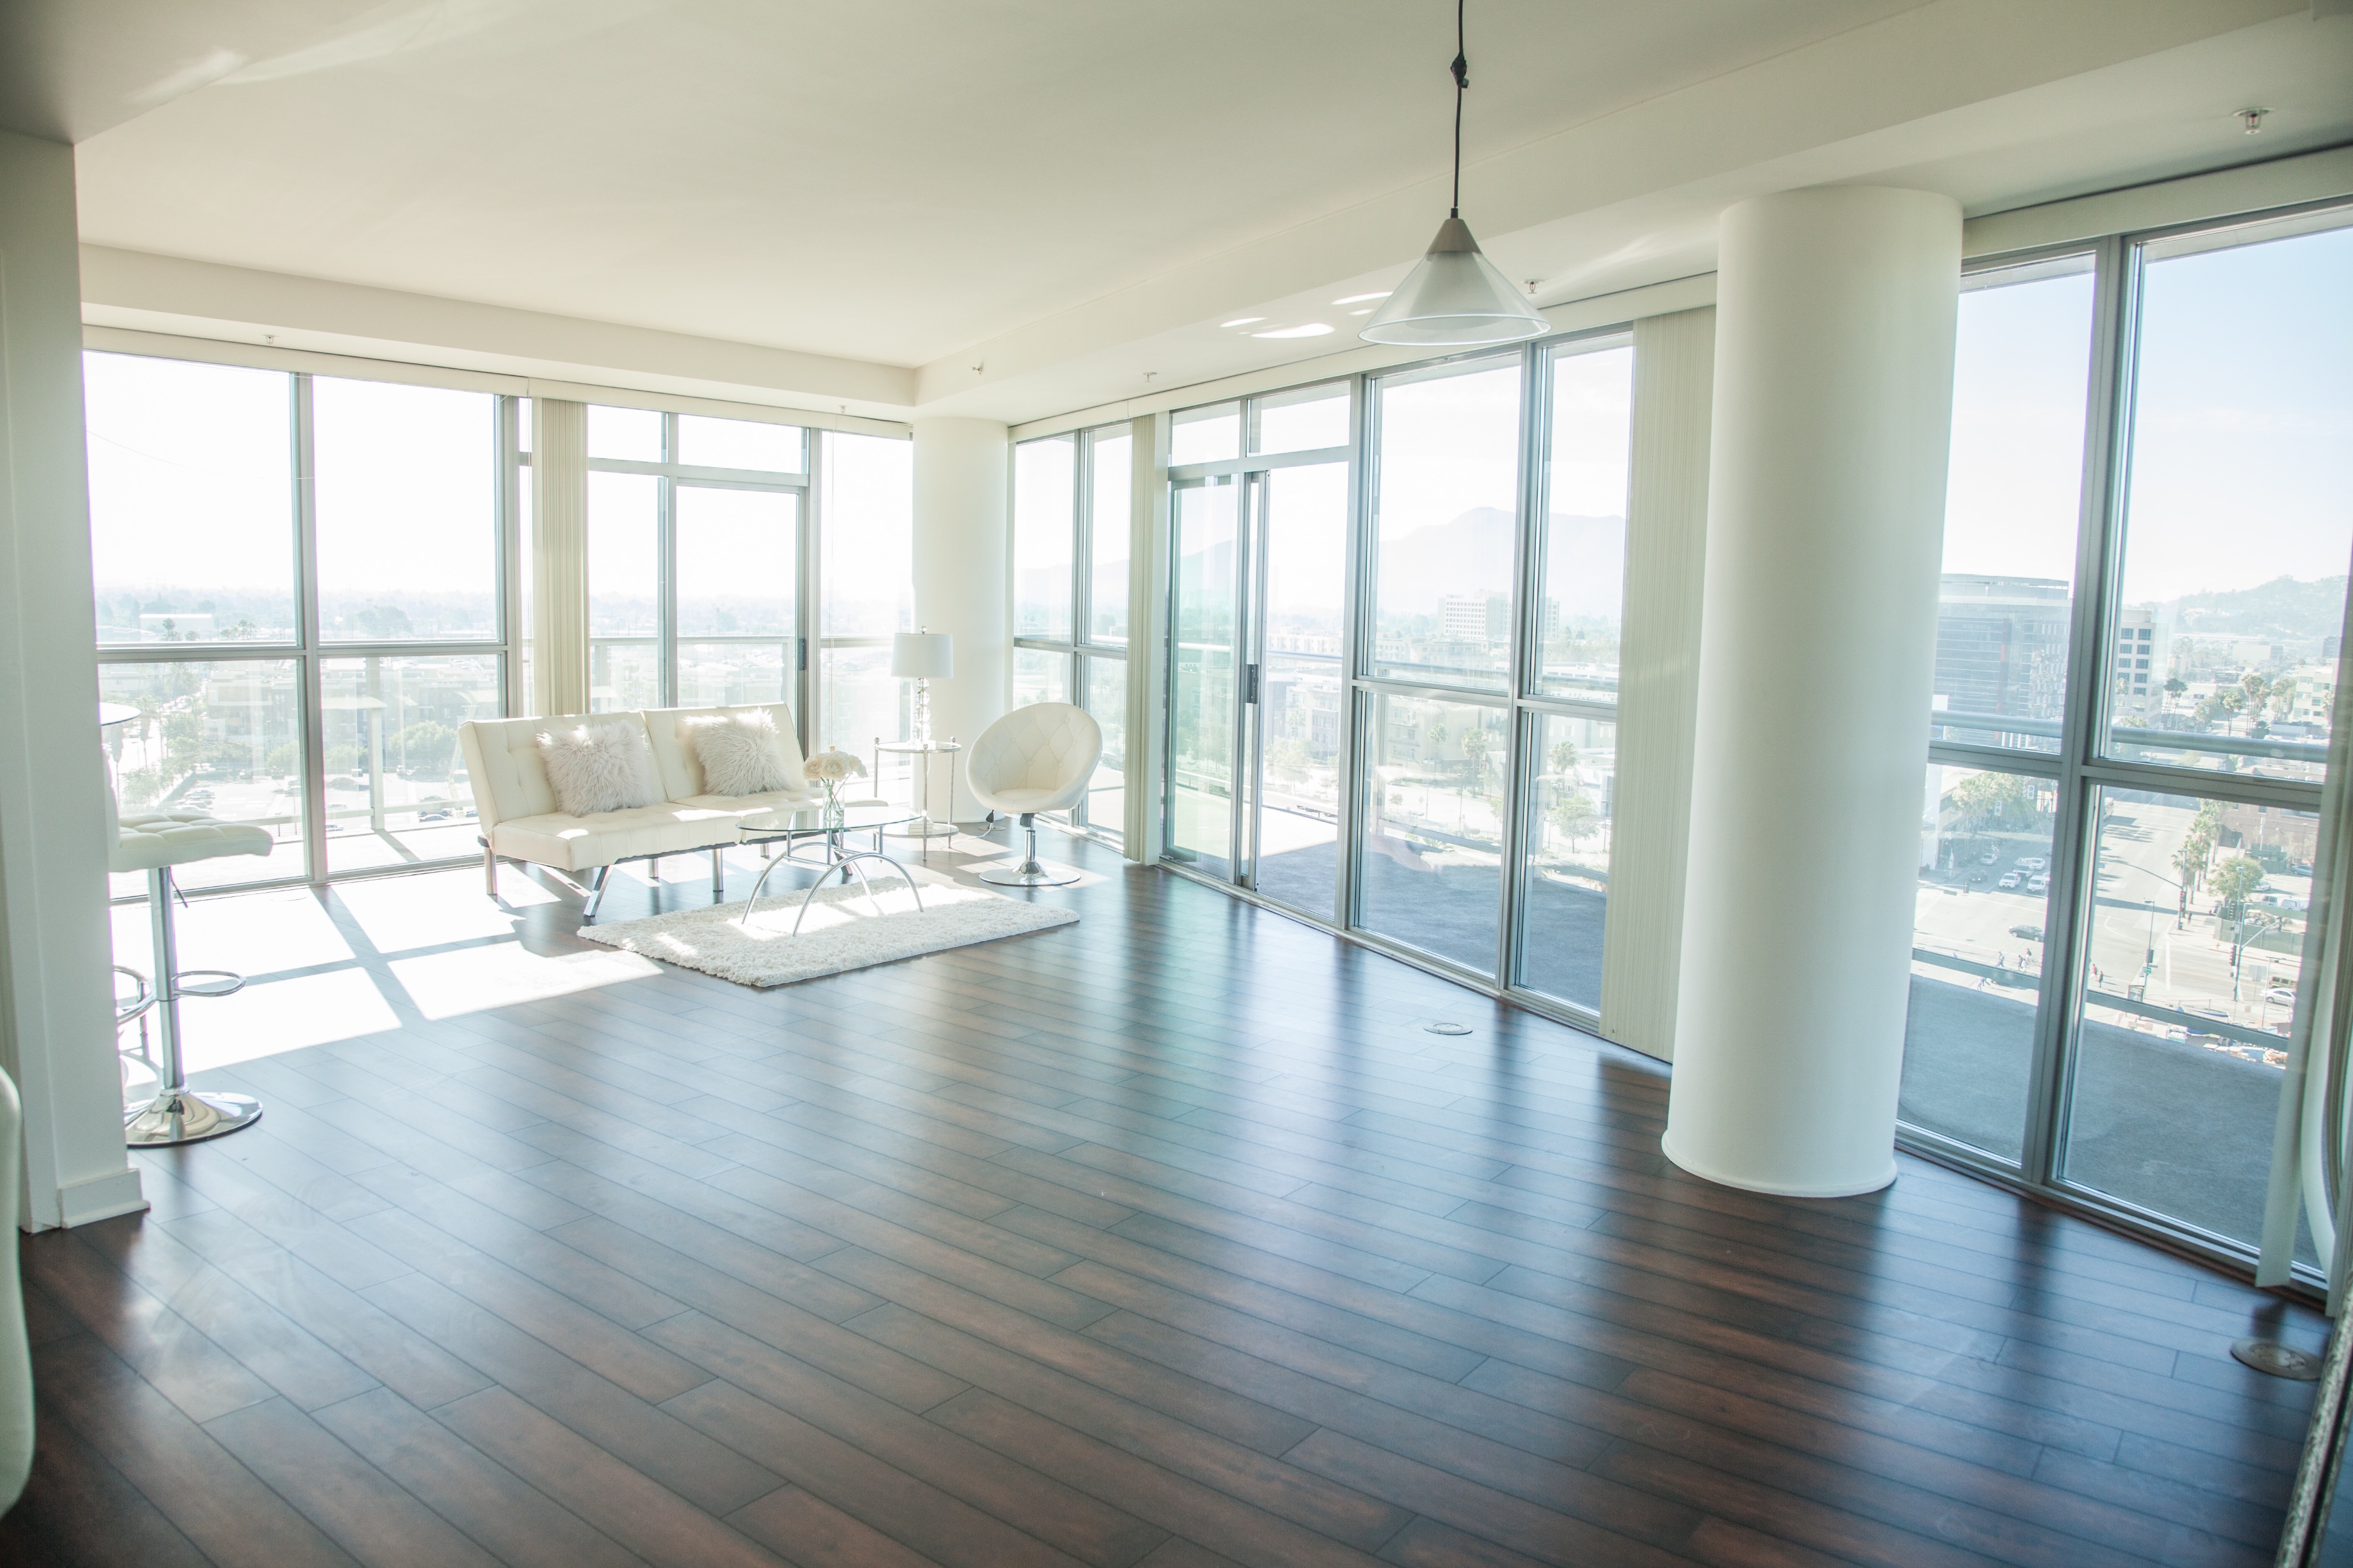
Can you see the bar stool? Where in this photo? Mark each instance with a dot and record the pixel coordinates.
(155, 843)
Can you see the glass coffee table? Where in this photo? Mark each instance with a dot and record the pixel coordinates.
(823, 829)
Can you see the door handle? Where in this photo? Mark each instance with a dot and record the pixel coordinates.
(800, 653)
(1249, 684)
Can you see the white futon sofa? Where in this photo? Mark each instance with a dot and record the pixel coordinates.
(520, 820)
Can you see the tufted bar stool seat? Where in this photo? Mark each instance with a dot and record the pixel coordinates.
(1038, 757)
(154, 842)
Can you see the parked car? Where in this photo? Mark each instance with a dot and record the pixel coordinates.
(2030, 933)
(2281, 995)
(2037, 883)
(2011, 879)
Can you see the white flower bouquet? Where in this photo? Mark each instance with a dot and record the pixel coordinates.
(831, 770)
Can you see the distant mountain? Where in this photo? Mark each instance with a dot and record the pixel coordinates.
(1473, 555)
(2281, 608)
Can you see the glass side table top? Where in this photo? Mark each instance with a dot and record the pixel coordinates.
(815, 819)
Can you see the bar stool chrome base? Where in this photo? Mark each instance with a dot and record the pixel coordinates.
(189, 1117)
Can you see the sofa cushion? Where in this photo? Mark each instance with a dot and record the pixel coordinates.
(740, 753)
(576, 842)
(595, 768)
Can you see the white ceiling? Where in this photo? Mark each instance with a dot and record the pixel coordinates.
(1068, 195)
(890, 182)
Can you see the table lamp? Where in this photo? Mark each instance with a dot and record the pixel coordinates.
(922, 657)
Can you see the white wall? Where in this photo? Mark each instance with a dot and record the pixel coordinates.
(56, 1034)
(963, 577)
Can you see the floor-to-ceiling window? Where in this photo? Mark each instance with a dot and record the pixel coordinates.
(298, 655)
(698, 559)
(1071, 509)
(2147, 536)
(2138, 642)
(305, 583)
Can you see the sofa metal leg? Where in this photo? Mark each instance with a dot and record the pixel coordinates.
(597, 893)
(718, 875)
(491, 870)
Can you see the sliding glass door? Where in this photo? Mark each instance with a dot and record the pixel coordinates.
(1259, 588)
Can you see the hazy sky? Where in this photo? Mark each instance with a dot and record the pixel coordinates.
(2243, 436)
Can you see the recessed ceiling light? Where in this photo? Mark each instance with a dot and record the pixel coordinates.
(1312, 329)
(1360, 299)
(1241, 320)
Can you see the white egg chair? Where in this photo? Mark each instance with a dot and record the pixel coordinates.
(1038, 757)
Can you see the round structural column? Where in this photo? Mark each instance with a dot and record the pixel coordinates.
(963, 577)
(1835, 311)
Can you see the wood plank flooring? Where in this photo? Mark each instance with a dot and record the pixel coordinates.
(1170, 1238)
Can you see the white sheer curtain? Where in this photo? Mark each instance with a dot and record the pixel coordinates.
(559, 551)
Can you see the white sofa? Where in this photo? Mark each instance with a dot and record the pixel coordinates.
(520, 820)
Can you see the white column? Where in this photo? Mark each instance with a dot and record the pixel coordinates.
(56, 1036)
(963, 577)
(1835, 310)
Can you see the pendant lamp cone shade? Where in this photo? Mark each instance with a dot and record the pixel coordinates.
(1455, 297)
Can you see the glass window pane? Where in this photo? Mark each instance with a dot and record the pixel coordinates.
(869, 536)
(1980, 930)
(1201, 678)
(632, 435)
(864, 702)
(2021, 372)
(740, 444)
(1206, 435)
(1446, 511)
(738, 574)
(1039, 677)
(715, 674)
(1106, 699)
(624, 555)
(1304, 419)
(1584, 525)
(1112, 456)
(223, 738)
(2237, 530)
(397, 786)
(738, 562)
(407, 512)
(1433, 856)
(1045, 524)
(2197, 951)
(1566, 885)
(1300, 690)
(191, 501)
(624, 592)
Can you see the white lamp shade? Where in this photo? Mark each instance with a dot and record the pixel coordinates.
(923, 656)
(1455, 295)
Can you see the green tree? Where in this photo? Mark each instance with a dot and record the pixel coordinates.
(1572, 812)
(2235, 879)
(2175, 685)
(428, 747)
(1563, 756)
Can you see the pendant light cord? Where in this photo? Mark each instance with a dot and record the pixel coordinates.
(1462, 69)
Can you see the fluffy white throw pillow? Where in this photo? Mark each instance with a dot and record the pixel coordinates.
(740, 753)
(599, 767)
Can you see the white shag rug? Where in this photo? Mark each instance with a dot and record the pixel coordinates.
(845, 930)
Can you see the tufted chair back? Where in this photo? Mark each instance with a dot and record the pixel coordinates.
(1036, 758)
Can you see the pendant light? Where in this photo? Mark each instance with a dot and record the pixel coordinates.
(1455, 297)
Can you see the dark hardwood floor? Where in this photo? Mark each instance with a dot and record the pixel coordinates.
(1167, 1238)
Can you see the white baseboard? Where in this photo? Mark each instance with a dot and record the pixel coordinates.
(100, 1197)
